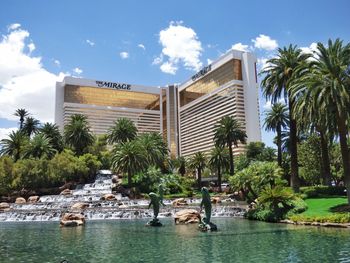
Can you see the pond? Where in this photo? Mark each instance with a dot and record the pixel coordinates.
(237, 240)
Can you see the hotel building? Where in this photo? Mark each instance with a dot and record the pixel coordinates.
(185, 115)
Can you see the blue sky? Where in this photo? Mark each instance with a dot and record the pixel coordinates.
(130, 41)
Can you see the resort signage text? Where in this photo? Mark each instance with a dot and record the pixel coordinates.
(201, 73)
(113, 85)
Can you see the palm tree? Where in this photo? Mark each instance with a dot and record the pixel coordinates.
(329, 82)
(21, 113)
(129, 158)
(219, 159)
(198, 163)
(14, 145)
(124, 130)
(280, 73)
(228, 132)
(30, 126)
(276, 120)
(52, 132)
(180, 163)
(40, 146)
(77, 133)
(155, 147)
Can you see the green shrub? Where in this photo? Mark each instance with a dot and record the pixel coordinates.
(320, 191)
(334, 218)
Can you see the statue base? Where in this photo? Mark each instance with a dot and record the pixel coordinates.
(154, 222)
(207, 227)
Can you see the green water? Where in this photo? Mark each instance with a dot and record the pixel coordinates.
(237, 240)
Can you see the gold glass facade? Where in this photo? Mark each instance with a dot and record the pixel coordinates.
(227, 72)
(110, 97)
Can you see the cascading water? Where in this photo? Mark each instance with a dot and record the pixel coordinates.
(51, 207)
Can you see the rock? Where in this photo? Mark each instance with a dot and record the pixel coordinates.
(187, 216)
(123, 206)
(108, 197)
(216, 200)
(71, 219)
(179, 202)
(66, 192)
(4, 206)
(115, 179)
(79, 206)
(33, 199)
(20, 200)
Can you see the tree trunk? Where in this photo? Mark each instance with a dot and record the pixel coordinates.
(219, 178)
(294, 177)
(279, 146)
(232, 169)
(199, 171)
(325, 164)
(344, 152)
(129, 178)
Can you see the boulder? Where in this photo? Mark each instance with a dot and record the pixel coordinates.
(216, 200)
(71, 219)
(4, 206)
(187, 216)
(179, 202)
(33, 199)
(20, 200)
(115, 179)
(123, 206)
(79, 206)
(66, 192)
(108, 197)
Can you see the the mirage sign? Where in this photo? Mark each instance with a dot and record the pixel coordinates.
(113, 85)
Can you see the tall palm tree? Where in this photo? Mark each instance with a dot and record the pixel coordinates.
(21, 113)
(229, 132)
(180, 163)
(155, 147)
(30, 126)
(219, 160)
(277, 119)
(124, 130)
(77, 133)
(329, 82)
(280, 73)
(39, 146)
(14, 145)
(52, 132)
(198, 162)
(129, 158)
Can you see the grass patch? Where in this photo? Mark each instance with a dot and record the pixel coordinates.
(323, 206)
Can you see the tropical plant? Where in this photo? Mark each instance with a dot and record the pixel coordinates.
(198, 162)
(328, 81)
(124, 130)
(77, 134)
(228, 131)
(14, 145)
(30, 126)
(155, 148)
(52, 132)
(277, 119)
(180, 163)
(129, 158)
(38, 147)
(21, 113)
(220, 161)
(279, 75)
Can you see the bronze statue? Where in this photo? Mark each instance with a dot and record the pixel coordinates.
(156, 201)
(205, 223)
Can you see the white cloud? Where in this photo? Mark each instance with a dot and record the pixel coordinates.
(31, 47)
(168, 67)
(78, 70)
(240, 47)
(4, 132)
(91, 43)
(142, 46)
(265, 42)
(124, 55)
(209, 61)
(180, 46)
(262, 63)
(158, 60)
(57, 62)
(310, 49)
(13, 26)
(24, 82)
